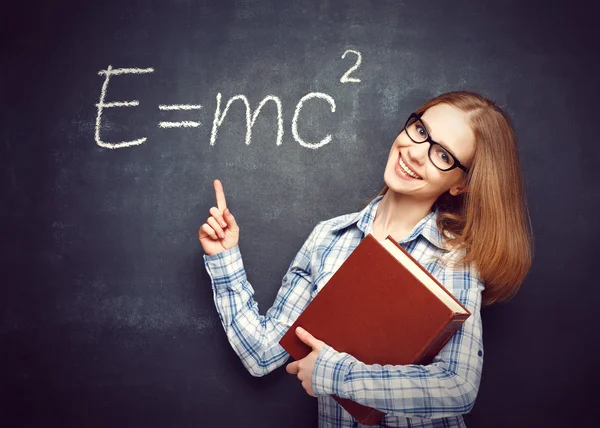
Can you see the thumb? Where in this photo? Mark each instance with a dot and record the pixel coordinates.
(306, 337)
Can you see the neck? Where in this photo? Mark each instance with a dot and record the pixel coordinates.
(397, 214)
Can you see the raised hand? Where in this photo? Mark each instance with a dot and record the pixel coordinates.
(220, 232)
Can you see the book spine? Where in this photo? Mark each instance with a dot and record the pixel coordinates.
(420, 266)
(440, 340)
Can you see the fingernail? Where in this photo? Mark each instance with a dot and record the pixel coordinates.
(299, 330)
(223, 224)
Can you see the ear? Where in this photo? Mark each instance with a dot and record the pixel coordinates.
(457, 190)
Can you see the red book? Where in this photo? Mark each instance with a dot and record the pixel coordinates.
(382, 307)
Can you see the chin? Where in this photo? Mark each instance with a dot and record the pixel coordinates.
(393, 183)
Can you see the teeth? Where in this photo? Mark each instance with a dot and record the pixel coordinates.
(407, 170)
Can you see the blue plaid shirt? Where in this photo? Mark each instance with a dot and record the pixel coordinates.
(432, 395)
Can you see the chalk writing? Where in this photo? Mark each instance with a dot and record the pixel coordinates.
(102, 105)
(345, 78)
(185, 123)
(249, 121)
(220, 114)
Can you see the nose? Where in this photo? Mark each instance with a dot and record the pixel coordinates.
(418, 153)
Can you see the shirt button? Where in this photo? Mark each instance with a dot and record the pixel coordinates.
(480, 353)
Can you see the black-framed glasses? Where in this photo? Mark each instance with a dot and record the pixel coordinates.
(440, 156)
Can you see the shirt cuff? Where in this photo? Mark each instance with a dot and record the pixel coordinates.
(330, 371)
(225, 267)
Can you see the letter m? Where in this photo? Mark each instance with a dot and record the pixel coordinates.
(250, 117)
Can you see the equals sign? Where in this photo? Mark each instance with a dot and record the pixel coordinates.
(182, 124)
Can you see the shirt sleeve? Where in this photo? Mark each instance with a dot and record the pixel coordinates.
(446, 387)
(254, 337)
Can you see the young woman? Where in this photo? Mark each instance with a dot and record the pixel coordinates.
(454, 198)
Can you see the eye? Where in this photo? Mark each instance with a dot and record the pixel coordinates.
(443, 155)
(422, 132)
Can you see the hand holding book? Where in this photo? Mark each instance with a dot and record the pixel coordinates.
(304, 368)
(382, 307)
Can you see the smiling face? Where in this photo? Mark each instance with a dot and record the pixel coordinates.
(448, 126)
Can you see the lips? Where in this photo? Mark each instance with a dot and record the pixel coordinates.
(402, 166)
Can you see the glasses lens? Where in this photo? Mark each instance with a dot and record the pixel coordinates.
(440, 157)
(416, 130)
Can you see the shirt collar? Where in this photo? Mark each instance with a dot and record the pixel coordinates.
(427, 226)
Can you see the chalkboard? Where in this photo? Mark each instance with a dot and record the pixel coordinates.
(117, 116)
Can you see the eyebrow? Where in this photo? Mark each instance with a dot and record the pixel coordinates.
(437, 141)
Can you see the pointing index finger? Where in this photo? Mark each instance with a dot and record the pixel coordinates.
(221, 203)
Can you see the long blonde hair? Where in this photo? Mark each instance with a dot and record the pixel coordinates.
(490, 222)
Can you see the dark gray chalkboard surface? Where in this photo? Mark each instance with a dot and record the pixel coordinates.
(106, 310)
